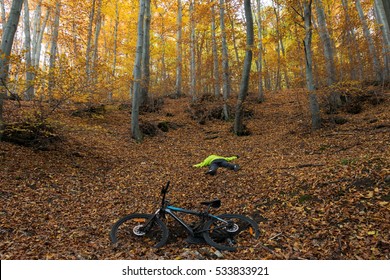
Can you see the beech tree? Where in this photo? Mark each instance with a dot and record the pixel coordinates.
(313, 101)
(383, 20)
(7, 41)
(145, 56)
(192, 52)
(225, 60)
(215, 52)
(135, 130)
(327, 43)
(259, 62)
(54, 46)
(238, 127)
(179, 49)
(371, 46)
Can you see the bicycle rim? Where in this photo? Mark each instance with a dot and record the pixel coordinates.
(239, 233)
(131, 229)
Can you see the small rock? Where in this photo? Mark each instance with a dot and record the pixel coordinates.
(218, 254)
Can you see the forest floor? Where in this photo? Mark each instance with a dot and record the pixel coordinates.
(315, 195)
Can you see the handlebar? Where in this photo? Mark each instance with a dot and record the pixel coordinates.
(164, 191)
(165, 188)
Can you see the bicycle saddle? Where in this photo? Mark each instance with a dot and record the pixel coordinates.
(216, 203)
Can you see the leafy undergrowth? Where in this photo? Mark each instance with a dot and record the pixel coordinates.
(315, 195)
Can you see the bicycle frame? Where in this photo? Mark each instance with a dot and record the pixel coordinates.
(169, 209)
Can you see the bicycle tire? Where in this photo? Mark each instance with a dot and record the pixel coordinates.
(241, 233)
(127, 230)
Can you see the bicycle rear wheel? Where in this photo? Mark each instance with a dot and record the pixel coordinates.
(231, 232)
(140, 227)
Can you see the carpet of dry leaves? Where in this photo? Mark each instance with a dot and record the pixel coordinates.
(315, 195)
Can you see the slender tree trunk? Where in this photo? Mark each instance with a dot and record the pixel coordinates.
(192, 50)
(179, 50)
(278, 77)
(313, 102)
(371, 46)
(385, 28)
(29, 93)
(260, 93)
(36, 29)
(267, 76)
(355, 59)
(89, 42)
(53, 49)
(281, 53)
(225, 60)
(75, 41)
(146, 56)
(3, 17)
(233, 30)
(6, 47)
(110, 94)
(284, 64)
(386, 7)
(95, 53)
(238, 121)
(37, 52)
(135, 130)
(217, 86)
(327, 43)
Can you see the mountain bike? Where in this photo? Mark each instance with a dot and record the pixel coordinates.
(224, 232)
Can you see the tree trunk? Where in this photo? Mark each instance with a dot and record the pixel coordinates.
(225, 60)
(327, 43)
(38, 38)
(217, 86)
(3, 17)
(110, 94)
(53, 49)
(135, 130)
(385, 28)
(192, 50)
(179, 50)
(239, 128)
(35, 29)
(307, 44)
(95, 53)
(386, 7)
(278, 78)
(29, 93)
(260, 94)
(233, 31)
(89, 42)
(6, 47)
(313, 102)
(355, 60)
(146, 56)
(371, 46)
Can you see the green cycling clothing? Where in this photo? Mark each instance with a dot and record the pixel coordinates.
(211, 158)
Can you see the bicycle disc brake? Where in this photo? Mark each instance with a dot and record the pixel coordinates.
(137, 230)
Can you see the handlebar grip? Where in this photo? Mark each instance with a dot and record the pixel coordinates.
(164, 190)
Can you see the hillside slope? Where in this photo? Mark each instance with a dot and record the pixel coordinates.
(315, 195)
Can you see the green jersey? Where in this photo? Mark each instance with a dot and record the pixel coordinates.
(211, 158)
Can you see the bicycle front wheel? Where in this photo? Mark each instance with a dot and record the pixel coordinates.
(140, 227)
(230, 232)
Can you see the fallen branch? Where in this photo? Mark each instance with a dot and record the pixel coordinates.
(304, 165)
